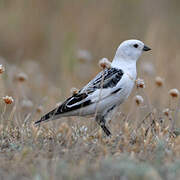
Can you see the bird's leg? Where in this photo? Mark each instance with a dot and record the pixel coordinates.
(101, 121)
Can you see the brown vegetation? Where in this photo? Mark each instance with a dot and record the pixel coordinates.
(48, 47)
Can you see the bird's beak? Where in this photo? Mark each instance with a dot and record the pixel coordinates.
(145, 48)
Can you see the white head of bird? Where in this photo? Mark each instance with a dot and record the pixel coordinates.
(130, 50)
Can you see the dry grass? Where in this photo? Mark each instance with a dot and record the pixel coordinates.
(42, 44)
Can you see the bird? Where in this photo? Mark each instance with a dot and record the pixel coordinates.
(108, 90)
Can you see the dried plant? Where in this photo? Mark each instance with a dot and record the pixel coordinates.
(159, 81)
(8, 99)
(104, 63)
(145, 142)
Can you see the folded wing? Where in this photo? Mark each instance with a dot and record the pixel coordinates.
(105, 79)
(105, 82)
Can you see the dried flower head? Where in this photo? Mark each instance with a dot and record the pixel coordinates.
(21, 77)
(74, 91)
(159, 81)
(84, 55)
(104, 63)
(138, 99)
(174, 93)
(166, 112)
(2, 68)
(39, 109)
(8, 99)
(140, 83)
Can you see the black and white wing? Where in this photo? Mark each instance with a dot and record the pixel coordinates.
(107, 79)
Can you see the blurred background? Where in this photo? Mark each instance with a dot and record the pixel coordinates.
(58, 43)
(49, 46)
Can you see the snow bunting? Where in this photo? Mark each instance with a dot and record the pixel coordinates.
(110, 88)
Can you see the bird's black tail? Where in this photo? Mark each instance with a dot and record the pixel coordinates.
(49, 116)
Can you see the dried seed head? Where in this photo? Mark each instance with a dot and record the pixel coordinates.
(39, 109)
(2, 69)
(140, 83)
(138, 99)
(8, 99)
(104, 63)
(84, 55)
(174, 93)
(21, 77)
(159, 81)
(74, 91)
(166, 112)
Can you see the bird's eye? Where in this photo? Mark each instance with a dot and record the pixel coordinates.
(136, 45)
